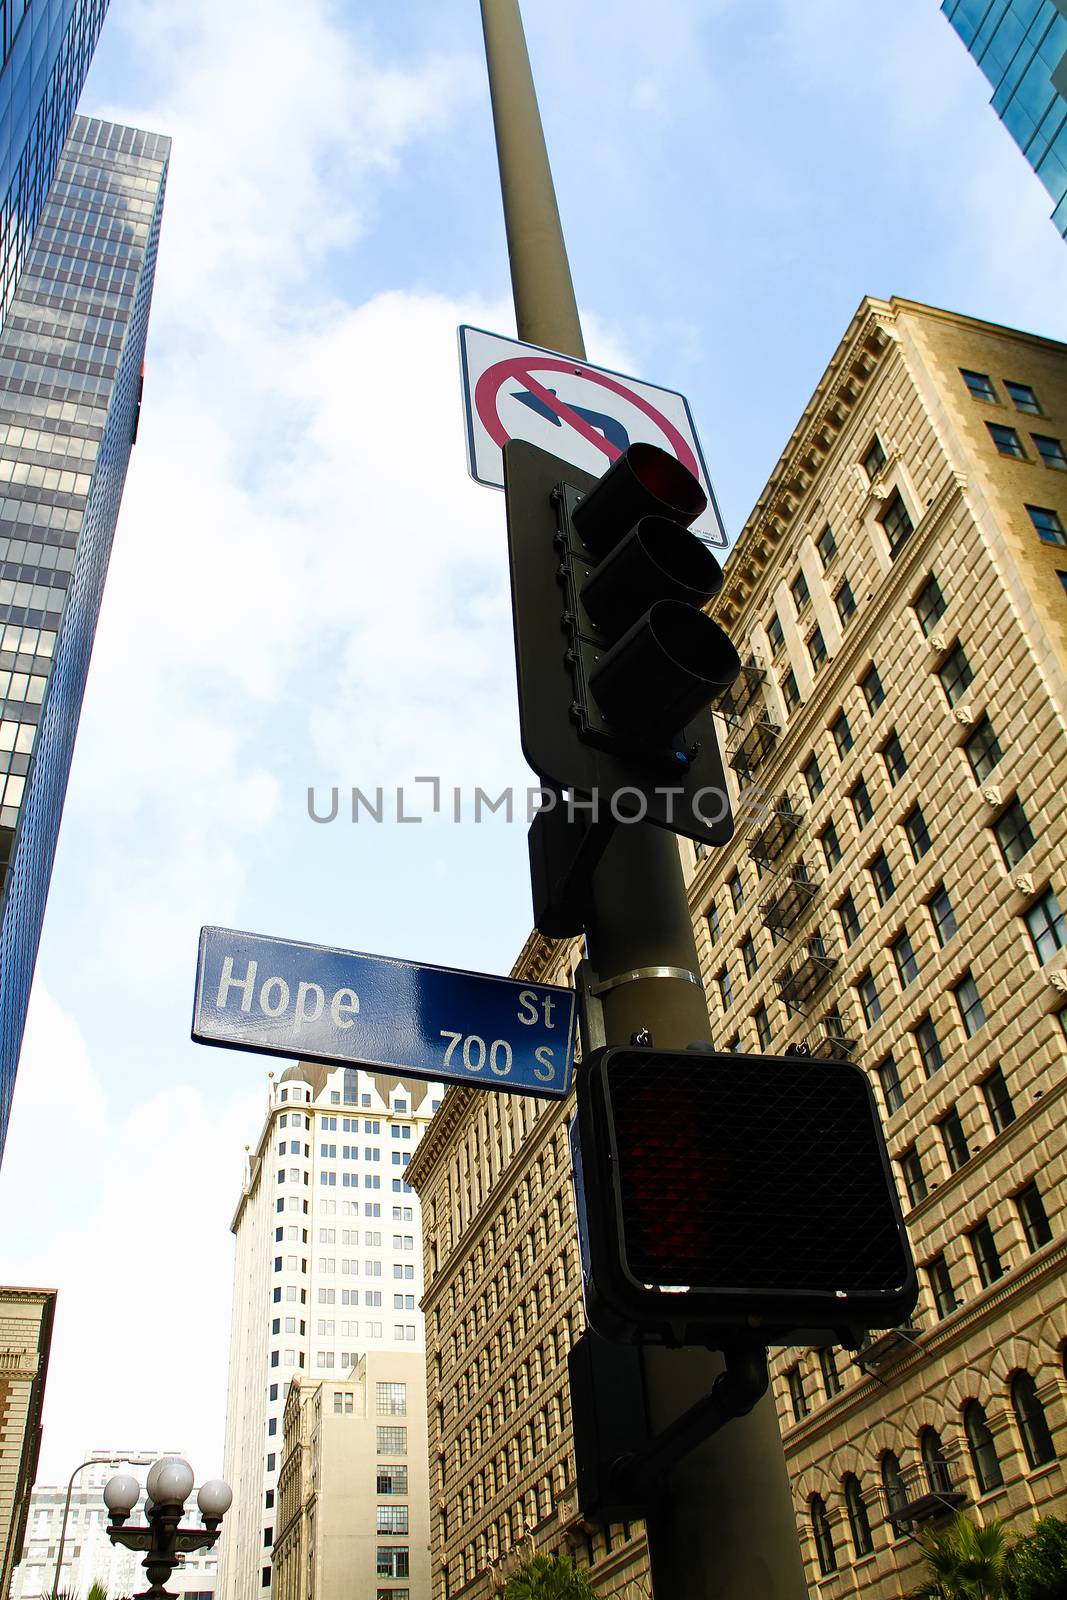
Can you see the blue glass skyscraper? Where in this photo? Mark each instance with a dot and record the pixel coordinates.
(47, 48)
(1021, 46)
(71, 360)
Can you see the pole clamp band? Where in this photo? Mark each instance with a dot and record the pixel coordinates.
(640, 973)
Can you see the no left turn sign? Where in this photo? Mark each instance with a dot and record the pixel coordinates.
(585, 414)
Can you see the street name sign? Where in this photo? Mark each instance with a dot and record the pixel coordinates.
(344, 1008)
(587, 415)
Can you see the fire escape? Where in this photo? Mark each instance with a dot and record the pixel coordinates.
(752, 734)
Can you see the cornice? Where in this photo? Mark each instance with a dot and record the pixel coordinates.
(868, 339)
(436, 1141)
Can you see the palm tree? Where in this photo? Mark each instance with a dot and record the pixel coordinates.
(549, 1578)
(968, 1561)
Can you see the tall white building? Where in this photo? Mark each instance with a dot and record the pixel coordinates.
(328, 1268)
(88, 1555)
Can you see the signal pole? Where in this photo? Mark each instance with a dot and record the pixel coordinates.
(723, 1527)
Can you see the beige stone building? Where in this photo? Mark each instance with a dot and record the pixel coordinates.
(26, 1318)
(353, 1517)
(899, 595)
(327, 1271)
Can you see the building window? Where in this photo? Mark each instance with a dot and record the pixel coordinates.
(842, 734)
(969, 1002)
(845, 601)
(1063, 579)
(790, 691)
(737, 893)
(831, 846)
(1047, 524)
(1051, 451)
(870, 1004)
(861, 804)
(816, 649)
(954, 1139)
(955, 674)
(391, 1441)
(897, 525)
(813, 778)
(932, 1451)
(1022, 397)
(979, 385)
(983, 1451)
(763, 1026)
(392, 1480)
(882, 878)
(873, 692)
(929, 1045)
(1013, 835)
(726, 988)
(983, 751)
(775, 634)
(889, 1083)
(984, 1249)
(942, 916)
(896, 762)
(929, 605)
(896, 1496)
(749, 956)
(904, 956)
(850, 919)
(392, 1562)
(1046, 926)
(1006, 440)
(392, 1519)
(391, 1399)
(800, 591)
(1033, 1216)
(858, 1521)
(917, 833)
(875, 459)
(714, 925)
(911, 1172)
(998, 1100)
(826, 545)
(941, 1290)
(824, 1540)
(1030, 1416)
(797, 1398)
(831, 1378)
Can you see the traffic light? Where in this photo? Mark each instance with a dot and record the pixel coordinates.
(720, 1193)
(617, 661)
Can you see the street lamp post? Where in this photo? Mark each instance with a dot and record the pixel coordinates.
(93, 1461)
(170, 1483)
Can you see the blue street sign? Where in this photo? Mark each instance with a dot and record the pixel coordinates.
(311, 1003)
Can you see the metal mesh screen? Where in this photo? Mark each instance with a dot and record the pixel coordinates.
(749, 1173)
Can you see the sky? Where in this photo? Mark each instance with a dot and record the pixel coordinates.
(307, 590)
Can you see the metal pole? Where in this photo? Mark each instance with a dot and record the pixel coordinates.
(723, 1528)
(92, 1462)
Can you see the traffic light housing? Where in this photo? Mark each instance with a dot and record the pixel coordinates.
(720, 1193)
(617, 661)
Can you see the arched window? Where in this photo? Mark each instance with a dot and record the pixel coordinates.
(1030, 1415)
(983, 1450)
(858, 1520)
(896, 1496)
(938, 1477)
(824, 1541)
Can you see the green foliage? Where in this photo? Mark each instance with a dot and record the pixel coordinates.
(967, 1561)
(1037, 1566)
(549, 1578)
(97, 1592)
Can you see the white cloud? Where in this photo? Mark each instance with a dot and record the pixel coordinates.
(124, 1202)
